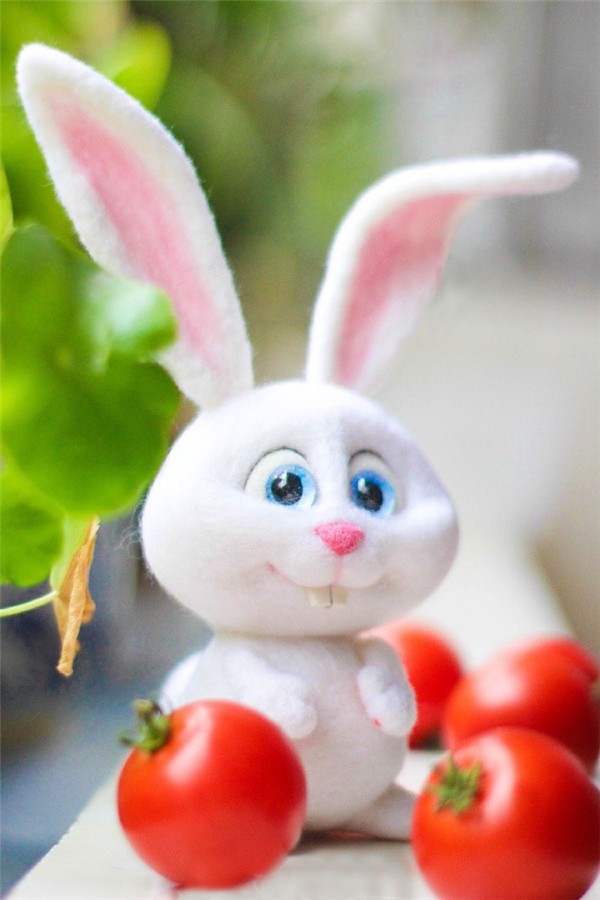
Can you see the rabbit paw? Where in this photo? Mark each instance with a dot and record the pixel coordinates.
(285, 702)
(283, 698)
(390, 704)
(295, 715)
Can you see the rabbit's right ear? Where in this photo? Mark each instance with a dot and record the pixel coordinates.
(136, 203)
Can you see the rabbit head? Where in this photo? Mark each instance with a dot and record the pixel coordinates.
(298, 508)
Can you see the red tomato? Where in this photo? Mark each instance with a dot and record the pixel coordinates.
(511, 814)
(220, 803)
(547, 685)
(433, 669)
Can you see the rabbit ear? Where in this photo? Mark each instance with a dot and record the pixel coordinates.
(136, 203)
(387, 256)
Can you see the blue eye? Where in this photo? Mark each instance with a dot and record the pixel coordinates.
(291, 485)
(373, 492)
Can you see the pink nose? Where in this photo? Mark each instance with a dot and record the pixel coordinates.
(341, 537)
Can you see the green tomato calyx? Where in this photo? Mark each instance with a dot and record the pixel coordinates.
(458, 787)
(153, 727)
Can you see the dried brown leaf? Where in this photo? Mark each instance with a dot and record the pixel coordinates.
(73, 605)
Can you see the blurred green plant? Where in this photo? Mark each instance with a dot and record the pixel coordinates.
(86, 415)
(285, 125)
(75, 351)
(284, 132)
(102, 32)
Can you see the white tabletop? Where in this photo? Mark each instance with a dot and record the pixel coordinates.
(94, 862)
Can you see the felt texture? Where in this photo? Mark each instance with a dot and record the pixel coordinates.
(309, 687)
(246, 564)
(137, 206)
(389, 251)
(341, 537)
(288, 588)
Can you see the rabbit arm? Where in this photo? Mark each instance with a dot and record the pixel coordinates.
(282, 697)
(138, 208)
(384, 689)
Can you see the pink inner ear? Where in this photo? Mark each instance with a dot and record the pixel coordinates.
(399, 265)
(148, 222)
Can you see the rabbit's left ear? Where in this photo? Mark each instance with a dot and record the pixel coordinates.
(389, 251)
(136, 203)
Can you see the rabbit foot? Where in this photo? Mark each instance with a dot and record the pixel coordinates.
(388, 817)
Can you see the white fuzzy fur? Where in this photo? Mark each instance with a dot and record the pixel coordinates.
(214, 546)
(251, 567)
(210, 543)
(476, 179)
(43, 74)
(309, 686)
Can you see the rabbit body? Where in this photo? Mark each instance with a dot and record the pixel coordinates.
(311, 688)
(260, 574)
(291, 517)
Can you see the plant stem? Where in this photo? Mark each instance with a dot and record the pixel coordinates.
(28, 605)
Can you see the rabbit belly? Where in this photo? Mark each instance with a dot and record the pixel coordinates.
(349, 762)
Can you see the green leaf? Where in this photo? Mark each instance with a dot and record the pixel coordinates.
(32, 531)
(125, 317)
(85, 413)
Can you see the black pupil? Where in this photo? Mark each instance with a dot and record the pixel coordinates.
(369, 494)
(286, 488)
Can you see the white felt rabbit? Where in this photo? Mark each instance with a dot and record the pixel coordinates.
(291, 516)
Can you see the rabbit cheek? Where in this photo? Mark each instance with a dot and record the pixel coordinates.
(419, 555)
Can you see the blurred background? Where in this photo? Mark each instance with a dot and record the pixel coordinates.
(290, 109)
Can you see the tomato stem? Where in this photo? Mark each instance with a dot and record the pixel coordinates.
(153, 727)
(457, 787)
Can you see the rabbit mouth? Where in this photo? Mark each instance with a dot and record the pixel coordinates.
(329, 596)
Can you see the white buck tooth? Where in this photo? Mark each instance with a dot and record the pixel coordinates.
(327, 597)
(319, 597)
(338, 595)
